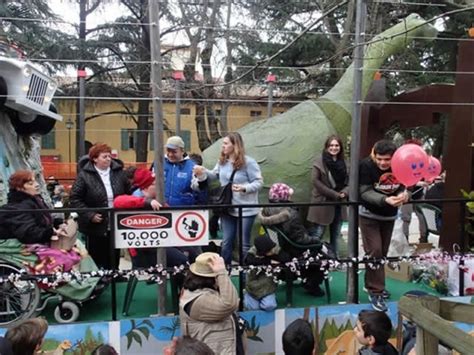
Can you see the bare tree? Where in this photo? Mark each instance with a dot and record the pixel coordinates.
(192, 15)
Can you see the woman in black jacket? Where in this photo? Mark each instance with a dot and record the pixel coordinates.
(98, 182)
(27, 227)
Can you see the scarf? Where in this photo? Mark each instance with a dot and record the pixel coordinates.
(338, 170)
(42, 205)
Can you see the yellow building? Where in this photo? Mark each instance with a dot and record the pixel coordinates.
(117, 129)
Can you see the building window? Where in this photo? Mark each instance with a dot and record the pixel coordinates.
(128, 139)
(186, 135)
(185, 111)
(218, 112)
(255, 113)
(48, 141)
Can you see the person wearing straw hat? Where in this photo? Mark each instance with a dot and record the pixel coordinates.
(207, 305)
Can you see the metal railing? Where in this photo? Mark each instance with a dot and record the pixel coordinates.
(354, 259)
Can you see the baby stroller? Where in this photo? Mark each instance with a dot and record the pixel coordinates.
(23, 295)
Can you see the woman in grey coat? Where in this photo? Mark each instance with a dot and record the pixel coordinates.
(330, 184)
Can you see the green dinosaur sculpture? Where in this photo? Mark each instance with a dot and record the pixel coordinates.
(285, 145)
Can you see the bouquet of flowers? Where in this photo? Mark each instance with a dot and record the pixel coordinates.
(432, 270)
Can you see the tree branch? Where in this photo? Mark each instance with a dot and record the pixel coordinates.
(118, 54)
(132, 10)
(102, 71)
(100, 28)
(93, 7)
(184, 46)
(444, 14)
(275, 55)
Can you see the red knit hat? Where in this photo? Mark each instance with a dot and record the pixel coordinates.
(143, 178)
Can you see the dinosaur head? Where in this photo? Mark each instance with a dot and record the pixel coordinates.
(411, 26)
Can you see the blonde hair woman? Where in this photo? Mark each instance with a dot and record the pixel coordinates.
(246, 184)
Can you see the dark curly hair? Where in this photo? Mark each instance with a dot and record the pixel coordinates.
(194, 282)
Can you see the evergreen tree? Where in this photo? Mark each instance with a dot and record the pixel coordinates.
(39, 39)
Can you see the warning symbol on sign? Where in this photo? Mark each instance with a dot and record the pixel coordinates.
(190, 226)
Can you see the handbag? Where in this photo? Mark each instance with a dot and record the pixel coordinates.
(453, 277)
(68, 241)
(222, 196)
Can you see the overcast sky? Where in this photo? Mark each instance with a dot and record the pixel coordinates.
(69, 11)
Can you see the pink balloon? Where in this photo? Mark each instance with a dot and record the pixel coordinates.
(409, 164)
(433, 170)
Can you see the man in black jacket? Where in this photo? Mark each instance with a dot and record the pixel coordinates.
(381, 195)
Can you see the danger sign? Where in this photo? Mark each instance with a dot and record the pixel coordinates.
(161, 229)
(190, 226)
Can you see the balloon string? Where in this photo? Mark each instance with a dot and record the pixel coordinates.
(417, 190)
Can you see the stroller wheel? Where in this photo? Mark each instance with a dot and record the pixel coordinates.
(66, 312)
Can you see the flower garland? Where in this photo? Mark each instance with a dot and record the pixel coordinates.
(160, 273)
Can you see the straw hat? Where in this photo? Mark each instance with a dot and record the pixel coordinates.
(201, 266)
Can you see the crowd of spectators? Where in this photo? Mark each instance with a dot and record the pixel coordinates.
(209, 301)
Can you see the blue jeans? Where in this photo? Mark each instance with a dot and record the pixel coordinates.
(229, 226)
(147, 257)
(191, 252)
(267, 303)
(317, 230)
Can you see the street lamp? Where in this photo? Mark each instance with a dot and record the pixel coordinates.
(69, 125)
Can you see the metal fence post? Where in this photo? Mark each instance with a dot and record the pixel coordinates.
(113, 261)
(241, 258)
